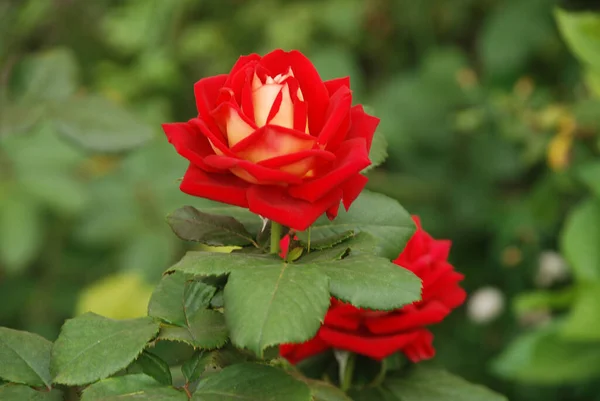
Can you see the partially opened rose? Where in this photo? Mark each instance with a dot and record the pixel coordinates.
(378, 334)
(272, 137)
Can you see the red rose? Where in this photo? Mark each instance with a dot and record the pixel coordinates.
(378, 334)
(272, 137)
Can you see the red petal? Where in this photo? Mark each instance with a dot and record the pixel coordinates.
(272, 141)
(299, 163)
(341, 321)
(421, 348)
(363, 125)
(352, 157)
(219, 143)
(242, 62)
(430, 313)
(334, 84)
(189, 143)
(206, 92)
(336, 121)
(332, 212)
(295, 353)
(312, 86)
(276, 204)
(377, 347)
(352, 187)
(262, 175)
(224, 188)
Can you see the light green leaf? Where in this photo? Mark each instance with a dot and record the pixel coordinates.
(18, 392)
(580, 238)
(193, 225)
(91, 347)
(429, 384)
(251, 382)
(583, 321)
(376, 214)
(96, 124)
(131, 387)
(368, 281)
(581, 31)
(590, 175)
(543, 357)
(176, 296)
(20, 230)
(204, 329)
(155, 367)
(51, 75)
(378, 153)
(24, 358)
(328, 242)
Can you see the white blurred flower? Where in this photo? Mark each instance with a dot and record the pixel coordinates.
(485, 305)
(552, 268)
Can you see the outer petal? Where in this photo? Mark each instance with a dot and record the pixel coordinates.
(218, 187)
(299, 163)
(334, 84)
(243, 61)
(377, 347)
(261, 175)
(352, 157)
(295, 353)
(337, 114)
(363, 125)
(189, 143)
(217, 142)
(421, 348)
(352, 187)
(276, 204)
(206, 92)
(272, 141)
(430, 313)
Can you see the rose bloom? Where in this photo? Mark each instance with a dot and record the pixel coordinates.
(378, 334)
(271, 136)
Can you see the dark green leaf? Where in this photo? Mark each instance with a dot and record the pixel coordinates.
(204, 329)
(155, 367)
(251, 382)
(327, 242)
(84, 121)
(131, 387)
(376, 214)
(193, 225)
(176, 295)
(580, 238)
(428, 384)
(322, 391)
(590, 175)
(251, 221)
(24, 357)
(195, 366)
(91, 347)
(373, 394)
(19, 392)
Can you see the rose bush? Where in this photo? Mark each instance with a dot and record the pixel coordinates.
(378, 334)
(272, 137)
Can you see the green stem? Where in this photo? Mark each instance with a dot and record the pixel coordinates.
(348, 373)
(275, 237)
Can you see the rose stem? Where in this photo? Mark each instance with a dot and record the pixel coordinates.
(275, 237)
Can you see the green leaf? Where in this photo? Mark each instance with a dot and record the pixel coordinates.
(131, 387)
(251, 221)
(51, 75)
(328, 242)
(176, 296)
(91, 347)
(96, 124)
(20, 230)
(193, 368)
(373, 394)
(590, 175)
(378, 153)
(190, 224)
(583, 321)
(251, 382)
(322, 391)
(581, 30)
(18, 392)
(24, 358)
(580, 238)
(267, 301)
(368, 281)
(429, 384)
(544, 357)
(204, 329)
(155, 367)
(376, 214)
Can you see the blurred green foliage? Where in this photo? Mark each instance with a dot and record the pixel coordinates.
(491, 122)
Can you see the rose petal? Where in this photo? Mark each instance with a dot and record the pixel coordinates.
(363, 125)
(334, 84)
(231, 120)
(218, 187)
(421, 348)
(430, 313)
(218, 143)
(284, 113)
(189, 143)
(377, 347)
(295, 353)
(276, 204)
(352, 157)
(337, 114)
(206, 92)
(259, 174)
(298, 163)
(341, 321)
(352, 187)
(272, 141)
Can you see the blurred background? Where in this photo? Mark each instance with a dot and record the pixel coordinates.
(493, 132)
